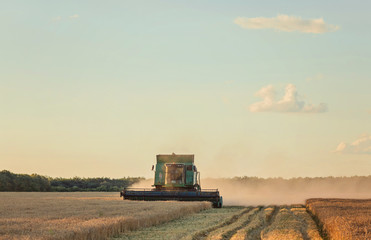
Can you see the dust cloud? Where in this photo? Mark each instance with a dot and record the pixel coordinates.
(257, 191)
(248, 191)
(146, 183)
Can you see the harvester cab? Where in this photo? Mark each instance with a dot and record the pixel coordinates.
(176, 178)
(176, 172)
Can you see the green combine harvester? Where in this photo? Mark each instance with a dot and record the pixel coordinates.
(176, 178)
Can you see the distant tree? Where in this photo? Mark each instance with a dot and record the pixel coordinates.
(7, 181)
(37, 183)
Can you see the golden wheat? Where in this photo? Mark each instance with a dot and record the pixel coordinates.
(343, 218)
(82, 215)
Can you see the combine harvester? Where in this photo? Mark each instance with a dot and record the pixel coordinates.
(176, 178)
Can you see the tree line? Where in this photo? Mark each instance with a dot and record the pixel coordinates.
(12, 182)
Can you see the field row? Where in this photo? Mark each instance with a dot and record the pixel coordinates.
(236, 223)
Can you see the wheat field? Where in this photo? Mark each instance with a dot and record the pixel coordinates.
(236, 223)
(100, 215)
(343, 218)
(82, 215)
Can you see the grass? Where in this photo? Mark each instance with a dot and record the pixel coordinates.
(343, 218)
(188, 227)
(82, 215)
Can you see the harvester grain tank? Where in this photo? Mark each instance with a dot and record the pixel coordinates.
(176, 178)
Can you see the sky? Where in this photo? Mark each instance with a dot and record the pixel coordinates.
(252, 88)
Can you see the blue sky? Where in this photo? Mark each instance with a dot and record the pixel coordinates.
(91, 88)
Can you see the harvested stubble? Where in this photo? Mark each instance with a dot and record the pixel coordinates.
(309, 227)
(204, 233)
(291, 223)
(82, 215)
(251, 230)
(187, 227)
(227, 231)
(285, 226)
(343, 218)
(268, 213)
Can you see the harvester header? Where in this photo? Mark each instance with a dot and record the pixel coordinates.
(176, 178)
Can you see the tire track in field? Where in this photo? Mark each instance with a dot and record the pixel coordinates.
(304, 224)
(227, 231)
(231, 233)
(309, 227)
(245, 225)
(266, 218)
(322, 232)
(204, 234)
(256, 222)
(285, 225)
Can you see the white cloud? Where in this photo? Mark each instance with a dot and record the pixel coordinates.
(57, 19)
(74, 16)
(289, 103)
(360, 146)
(287, 23)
